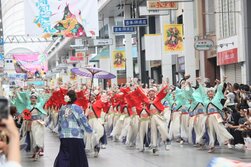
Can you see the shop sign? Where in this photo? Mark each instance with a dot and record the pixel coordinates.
(157, 5)
(143, 11)
(102, 42)
(227, 57)
(75, 58)
(203, 44)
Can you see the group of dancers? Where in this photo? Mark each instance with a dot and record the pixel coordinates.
(142, 117)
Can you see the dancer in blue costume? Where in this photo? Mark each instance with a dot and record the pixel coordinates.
(33, 127)
(212, 103)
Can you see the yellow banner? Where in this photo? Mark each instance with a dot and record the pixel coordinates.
(173, 37)
(119, 59)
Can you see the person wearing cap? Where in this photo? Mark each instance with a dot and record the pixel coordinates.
(158, 123)
(211, 101)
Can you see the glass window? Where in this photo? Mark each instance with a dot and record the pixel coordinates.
(227, 18)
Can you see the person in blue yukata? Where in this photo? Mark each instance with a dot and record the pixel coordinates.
(72, 125)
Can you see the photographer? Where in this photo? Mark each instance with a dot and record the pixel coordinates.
(11, 150)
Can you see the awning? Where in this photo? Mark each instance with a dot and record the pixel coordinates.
(105, 53)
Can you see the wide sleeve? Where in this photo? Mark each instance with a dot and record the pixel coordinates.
(162, 94)
(199, 94)
(219, 94)
(82, 120)
(21, 102)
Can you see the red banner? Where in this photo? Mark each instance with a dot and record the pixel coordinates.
(227, 57)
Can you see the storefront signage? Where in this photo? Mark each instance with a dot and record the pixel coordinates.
(76, 58)
(102, 42)
(123, 30)
(204, 44)
(135, 22)
(143, 11)
(227, 57)
(157, 5)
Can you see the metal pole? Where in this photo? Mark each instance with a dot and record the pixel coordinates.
(91, 88)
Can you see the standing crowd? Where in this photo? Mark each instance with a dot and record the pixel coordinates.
(146, 118)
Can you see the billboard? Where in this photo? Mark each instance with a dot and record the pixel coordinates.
(68, 18)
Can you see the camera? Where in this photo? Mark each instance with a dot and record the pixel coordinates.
(4, 108)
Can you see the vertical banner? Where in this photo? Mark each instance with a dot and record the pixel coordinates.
(173, 37)
(153, 46)
(68, 18)
(119, 59)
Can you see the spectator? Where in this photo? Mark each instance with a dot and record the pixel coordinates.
(18, 119)
(235, 125)
(236, 92)
(11, 150)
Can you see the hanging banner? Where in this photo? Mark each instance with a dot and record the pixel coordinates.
(68, 18)
(119, 59)
(173, 37)
(153, 46)
(30, 63)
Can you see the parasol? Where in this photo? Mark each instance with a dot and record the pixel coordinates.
(92, 72)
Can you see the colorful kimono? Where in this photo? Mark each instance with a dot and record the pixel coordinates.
(32, 130)
(215, 122)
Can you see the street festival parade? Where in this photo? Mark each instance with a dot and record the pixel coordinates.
(125, 83)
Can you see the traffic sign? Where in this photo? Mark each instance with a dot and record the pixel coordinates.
(135, 22)
(123, 30)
